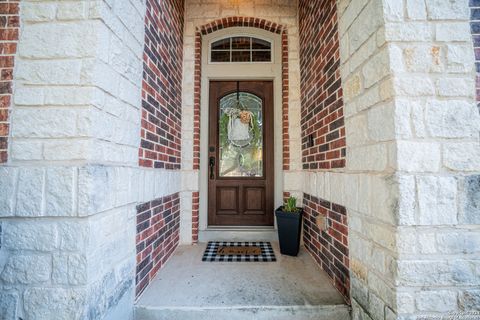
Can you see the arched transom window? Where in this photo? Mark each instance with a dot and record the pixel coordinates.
(241, 49)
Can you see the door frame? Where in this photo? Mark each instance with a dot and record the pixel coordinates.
(271, 71)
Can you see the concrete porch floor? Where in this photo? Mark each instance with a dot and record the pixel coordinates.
(290, 288)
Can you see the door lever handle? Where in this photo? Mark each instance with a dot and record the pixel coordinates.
(211, 164)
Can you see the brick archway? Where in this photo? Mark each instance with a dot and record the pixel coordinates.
(210, 28)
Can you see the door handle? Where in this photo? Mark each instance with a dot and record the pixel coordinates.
(211, 164)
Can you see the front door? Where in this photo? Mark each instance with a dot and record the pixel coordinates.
(240, 158)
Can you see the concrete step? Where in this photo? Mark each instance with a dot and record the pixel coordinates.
(324, 312)
(289, 288)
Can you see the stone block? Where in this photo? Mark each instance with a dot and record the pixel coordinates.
(68, 149)
(469, 300)
(358, 312)
(369, 157)
(41, 40)
(364, 194)
(71, 11)
(452, 119)
(384, 204)
(292, 181)
(323, 185)
(413, 156)
(44, 123)
(436, 273)
(367, 23)
(8, 178)
(393, 10)
(381, 288)
(460, 58)
(452, 31)
(471, 206)
(368, 98)
(73, 235)
(382, 235)
(437, 200)
(60, 268)
(458, 242)
(416, 9)
(59, 186)
(63, 72)
(27, 269)
(422, 58)
(54, 303)
(376, 68)
(356, 130)
(381, 122)
(407, 31)
(353, 87)
(376, 306)
(26, 150)
(462, 156)
(456, 87)
(406, 200)
(30, 192)
(93, 189)
(448, 10)
(427, 243)
(436, 301)
(414, 86)
(350, 10)
(77, 269)
(38, 11)
(351, 188)
(29, 96)
(407, 240)
(405, 302)
(30, 235)
(8, 305)
(63, 96)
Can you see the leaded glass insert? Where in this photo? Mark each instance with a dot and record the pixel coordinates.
(241, 135)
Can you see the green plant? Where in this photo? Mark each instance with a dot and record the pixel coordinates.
(290, 205)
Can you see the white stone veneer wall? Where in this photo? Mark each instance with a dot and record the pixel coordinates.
(438, 156)
(69, 190)
(200, 12)
(411, 185)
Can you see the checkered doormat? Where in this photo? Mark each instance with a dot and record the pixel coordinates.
(211, 253)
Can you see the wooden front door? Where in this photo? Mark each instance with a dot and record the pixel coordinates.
(240, 157)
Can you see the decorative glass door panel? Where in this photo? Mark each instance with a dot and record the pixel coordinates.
(240, 135)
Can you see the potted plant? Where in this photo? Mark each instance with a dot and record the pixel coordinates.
(289, 222)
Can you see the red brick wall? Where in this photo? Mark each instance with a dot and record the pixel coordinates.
(9, 28)
(162, 85)
(158, 234)
(195, 216)
(240, 22)
(328, 246)
(285, 83)
(322, 121)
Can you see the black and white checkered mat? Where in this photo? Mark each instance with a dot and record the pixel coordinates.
(267, 255)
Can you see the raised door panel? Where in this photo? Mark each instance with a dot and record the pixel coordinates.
(227, 200)
(254, 198)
